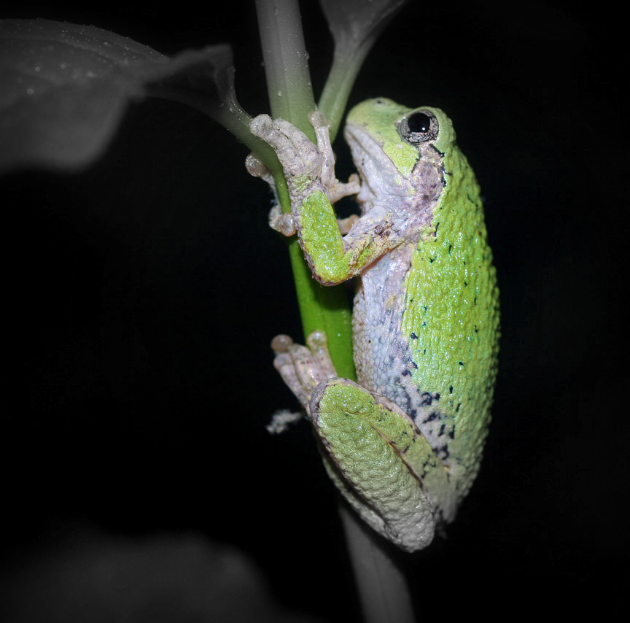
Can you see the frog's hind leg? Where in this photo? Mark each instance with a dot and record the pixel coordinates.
(379, 460)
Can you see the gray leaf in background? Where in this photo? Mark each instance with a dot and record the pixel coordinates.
(64, 88)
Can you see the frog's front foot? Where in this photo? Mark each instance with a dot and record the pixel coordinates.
(282, 222)
(257, 168)
(306, 166)
(299, 157)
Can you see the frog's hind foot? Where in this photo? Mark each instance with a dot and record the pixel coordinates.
(303, 368)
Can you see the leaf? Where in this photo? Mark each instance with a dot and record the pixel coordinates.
(355, 22)
(64, 88)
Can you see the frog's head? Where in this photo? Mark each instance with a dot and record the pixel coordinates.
(382, 128)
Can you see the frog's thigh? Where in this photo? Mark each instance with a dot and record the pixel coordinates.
(359, 433)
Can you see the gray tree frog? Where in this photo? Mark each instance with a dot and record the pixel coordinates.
(404, 443)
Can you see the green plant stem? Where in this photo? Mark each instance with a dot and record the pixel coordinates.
(286, 62)
(344, 70)
(291, 98)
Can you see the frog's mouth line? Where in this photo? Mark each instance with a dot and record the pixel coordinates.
(378, 173)
(356, 137)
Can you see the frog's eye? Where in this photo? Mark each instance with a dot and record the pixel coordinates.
(418, 127)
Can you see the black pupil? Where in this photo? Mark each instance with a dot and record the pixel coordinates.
(419, 122)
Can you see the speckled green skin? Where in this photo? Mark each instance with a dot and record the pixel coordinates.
(404, 443)
(451, 320)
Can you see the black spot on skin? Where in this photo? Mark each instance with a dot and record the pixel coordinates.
(432, 463)
(413, 336)
(458, 407)
(461, 363)
(433, 416)
(428, 398)
(414, 364)
(406, 373)
(451, 434)
(442, 429)
(450, 389)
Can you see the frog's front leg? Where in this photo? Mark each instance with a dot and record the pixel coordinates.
(313, 188)
(284, 222)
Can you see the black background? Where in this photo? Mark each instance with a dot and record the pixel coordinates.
(143, 294)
